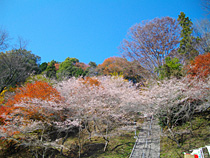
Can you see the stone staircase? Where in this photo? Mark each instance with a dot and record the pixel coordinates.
(148, 141)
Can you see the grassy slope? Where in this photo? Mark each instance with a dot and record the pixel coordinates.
(200, 138)
(119, 147)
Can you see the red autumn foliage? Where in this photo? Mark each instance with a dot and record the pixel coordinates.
(39, 90)
(200, 66)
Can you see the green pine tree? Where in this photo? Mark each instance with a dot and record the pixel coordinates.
(171, 68)
(187, 42)
(43, 67)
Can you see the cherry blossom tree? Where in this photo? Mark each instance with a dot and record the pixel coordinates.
(101, 103)
(176, 101)
(33, 117)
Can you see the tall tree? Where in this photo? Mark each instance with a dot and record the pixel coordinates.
(50, 70)
(16, 66)
(150, 42)
(187, 42)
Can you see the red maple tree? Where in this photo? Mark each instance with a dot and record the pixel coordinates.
(200, 66)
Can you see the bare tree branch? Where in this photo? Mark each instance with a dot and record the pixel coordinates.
(21, 43)
(206, 6)
(150, 42)
(4, 37)
(202, 30)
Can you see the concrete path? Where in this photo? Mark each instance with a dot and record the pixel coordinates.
(148, 141)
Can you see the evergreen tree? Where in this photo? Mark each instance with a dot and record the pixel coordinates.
(171, 68)
(50, 70)
(92, 64)
(187, 42)
(69, 69)
(43, 66)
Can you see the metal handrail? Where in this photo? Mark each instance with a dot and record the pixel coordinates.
(146, 143)
(134, 147)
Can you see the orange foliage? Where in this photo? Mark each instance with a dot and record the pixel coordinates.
(57, 66)
(39, 89)
(91, 81)
(6, 111)
(2, 110)
(200, 66)
(111, 65)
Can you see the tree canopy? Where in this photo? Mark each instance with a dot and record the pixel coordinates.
(171, 68)
(43, 66)
(16, 66)
(150, 42)
(187, 42)
(117, 65)
(70, 68)
(51, 70)
(200, 66)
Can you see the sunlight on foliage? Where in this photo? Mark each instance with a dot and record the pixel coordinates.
(200, 66)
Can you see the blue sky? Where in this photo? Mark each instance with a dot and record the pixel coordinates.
(89, 30)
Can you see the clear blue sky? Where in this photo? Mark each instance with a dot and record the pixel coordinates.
(90, 30)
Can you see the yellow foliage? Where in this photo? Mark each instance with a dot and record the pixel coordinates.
(117, 74)
(2, 94)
